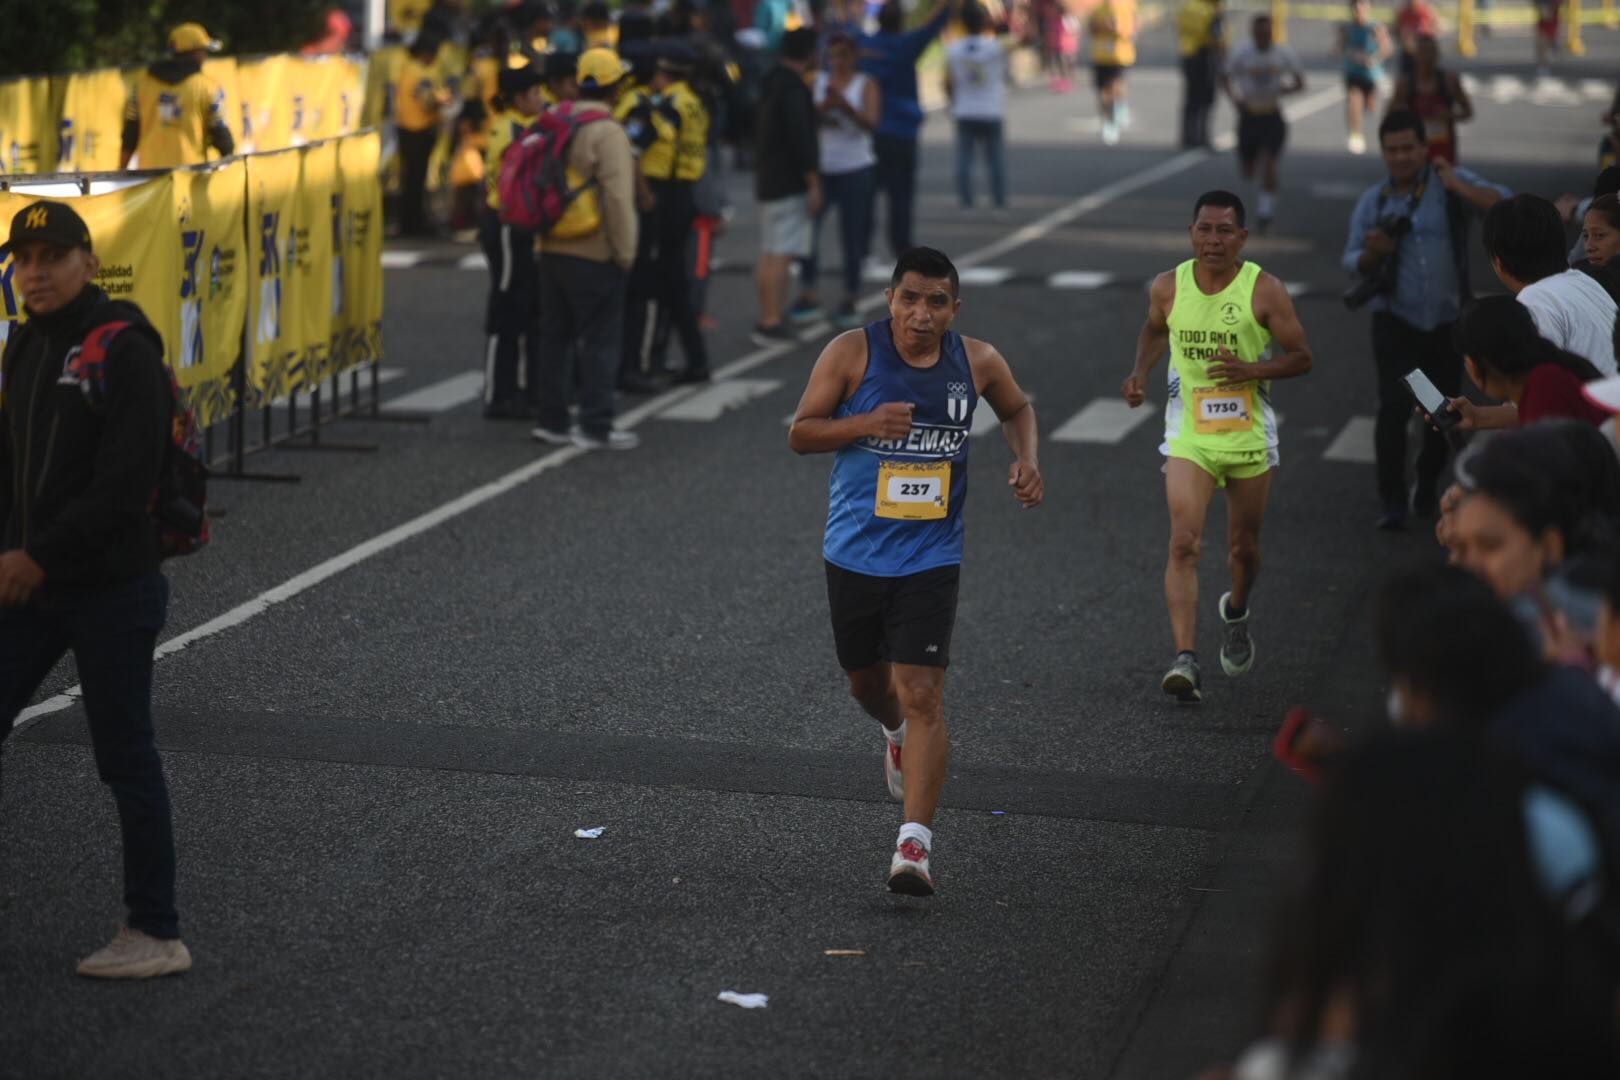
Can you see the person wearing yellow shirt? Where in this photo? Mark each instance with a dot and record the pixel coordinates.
(1201, 43)
(1113, 49)
(670, 169)
(419, 102)
(512, 316)
(173, 116)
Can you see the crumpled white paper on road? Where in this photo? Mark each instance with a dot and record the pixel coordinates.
(747, 1001)
(590, 834)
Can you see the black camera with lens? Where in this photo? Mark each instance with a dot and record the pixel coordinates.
(1381, 281)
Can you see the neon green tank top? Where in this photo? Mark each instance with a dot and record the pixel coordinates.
(1225, 419)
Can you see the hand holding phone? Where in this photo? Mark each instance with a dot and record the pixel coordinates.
(1434, 404)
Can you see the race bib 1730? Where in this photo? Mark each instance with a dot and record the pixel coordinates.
(913, 491)
(1220, 409)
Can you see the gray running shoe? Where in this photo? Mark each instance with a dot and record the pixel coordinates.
(134, 955)
(1181, 681)
(1237, 655)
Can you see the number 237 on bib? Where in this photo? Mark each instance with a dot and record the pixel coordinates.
(913, 491)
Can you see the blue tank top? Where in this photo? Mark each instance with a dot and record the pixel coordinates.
(894, 506)
(1361, 39)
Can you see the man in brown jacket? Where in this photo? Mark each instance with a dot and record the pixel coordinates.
(582, 281)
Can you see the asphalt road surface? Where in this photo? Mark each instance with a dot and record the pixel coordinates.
(401, 685)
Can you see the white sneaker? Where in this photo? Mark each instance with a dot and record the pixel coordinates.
(891, 770)
(1357, 143)
(908, 870)
(1237, 653)
(613, 440)
(132, 954)
(1110, 134)
(554, 438)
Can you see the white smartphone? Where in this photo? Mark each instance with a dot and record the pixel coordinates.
(1431, 399)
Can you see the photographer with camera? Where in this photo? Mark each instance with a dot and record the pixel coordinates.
(1408, 246)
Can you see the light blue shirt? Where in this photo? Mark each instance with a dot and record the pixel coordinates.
(1427, 292)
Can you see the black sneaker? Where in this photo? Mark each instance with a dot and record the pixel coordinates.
(1393, 520)
(766, 336)
(692, 375)
(508, 410)
(637, 383)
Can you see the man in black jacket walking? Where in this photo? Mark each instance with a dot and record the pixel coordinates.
(79, 464)
(787, 179)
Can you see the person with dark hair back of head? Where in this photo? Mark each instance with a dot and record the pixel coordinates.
(1444, 927)
(894, 402)
(1525, 240)
(1231, 329)
(1408, 248)
(1507, 357)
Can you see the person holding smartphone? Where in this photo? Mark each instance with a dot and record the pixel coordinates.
(1509, 359)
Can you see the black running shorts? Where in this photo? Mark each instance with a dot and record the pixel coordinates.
(905, 620)
(1261, 131)
(1106, 75)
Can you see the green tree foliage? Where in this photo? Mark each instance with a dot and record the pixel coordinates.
(41, 36)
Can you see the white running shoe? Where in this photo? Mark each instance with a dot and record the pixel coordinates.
(1357, 143)
(908, 870)
(891, 770)
(132, 954)
(1237, 654)
(1182, 681)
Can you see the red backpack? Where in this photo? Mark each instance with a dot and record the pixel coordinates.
(180, 503)
(539, 192)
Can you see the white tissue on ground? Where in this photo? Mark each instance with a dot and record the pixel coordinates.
(747, 1001)
(590, 834)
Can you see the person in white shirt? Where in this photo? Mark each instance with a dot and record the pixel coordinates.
(1257, 76)
(976, 80)
(1525, 239)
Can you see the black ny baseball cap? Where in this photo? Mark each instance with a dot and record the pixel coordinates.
(53, 222)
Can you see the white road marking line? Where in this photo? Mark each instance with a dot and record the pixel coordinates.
(713, 401)
(1552, 91)
(441, 396)
(985, 275)
(475, 498)
(474, 261)
(400, 260)
(1597, 90)
(1354, 443)
(1103, 420)
(1080, 279)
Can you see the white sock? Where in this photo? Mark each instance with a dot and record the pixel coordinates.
(912, 830)
(897, 736)
(1268, 203)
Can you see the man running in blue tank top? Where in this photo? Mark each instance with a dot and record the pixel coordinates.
(895, 402)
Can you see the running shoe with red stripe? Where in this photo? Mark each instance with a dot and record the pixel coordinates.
(891, 771)
(908, 870)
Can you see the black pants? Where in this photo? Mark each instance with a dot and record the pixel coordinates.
(1198, 97)
(415, 149)
(581, 302)
(112, 633)
(512, 316)
(1398, 347)
(897, 181)
(660, 286)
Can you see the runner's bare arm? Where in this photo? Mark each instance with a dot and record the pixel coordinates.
(1462, 106)
(838, 372)
(1290, 354)
(1151, 342)
(1013, 408)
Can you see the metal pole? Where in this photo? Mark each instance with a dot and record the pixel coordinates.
(376, 23)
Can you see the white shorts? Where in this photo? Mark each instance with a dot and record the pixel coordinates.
(784, 226)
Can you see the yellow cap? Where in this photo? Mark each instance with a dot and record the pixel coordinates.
(601, 67)
(189, 37)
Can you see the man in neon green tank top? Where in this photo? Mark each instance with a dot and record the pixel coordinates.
(1231, 330)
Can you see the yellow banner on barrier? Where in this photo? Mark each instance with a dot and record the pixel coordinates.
(90, 132)
(327, 94)
(222, 76)
(267, 110)
(133, 232)
(208, 206)
(274, 364)
(315, 216)
(382, 82)
(27, 126)
(357, 267)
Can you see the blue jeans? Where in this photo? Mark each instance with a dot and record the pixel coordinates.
(851, 194)
(988, 134)
(112, 633)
